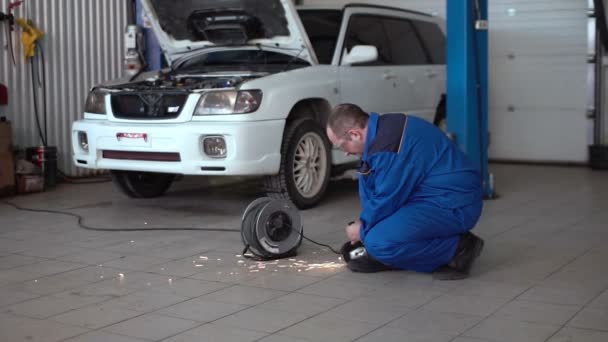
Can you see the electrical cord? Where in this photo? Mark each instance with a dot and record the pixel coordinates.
(35, 101)
(84, 226)
(323, 245)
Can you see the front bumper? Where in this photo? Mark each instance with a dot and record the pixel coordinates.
(253, 147)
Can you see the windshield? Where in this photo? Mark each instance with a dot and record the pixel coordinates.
(323, 28)
(239, 58)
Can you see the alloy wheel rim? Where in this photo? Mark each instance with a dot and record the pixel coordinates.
(309, 165)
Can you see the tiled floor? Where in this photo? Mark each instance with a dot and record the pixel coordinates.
(543, 275)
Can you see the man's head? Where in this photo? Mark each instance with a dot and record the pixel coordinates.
(347, 128)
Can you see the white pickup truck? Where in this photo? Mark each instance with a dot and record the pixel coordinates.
(249, 88)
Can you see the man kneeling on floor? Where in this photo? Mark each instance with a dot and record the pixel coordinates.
(420, 195)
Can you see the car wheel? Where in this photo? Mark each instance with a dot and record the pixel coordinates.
(305, 165)
(441, 118)
(138, 184)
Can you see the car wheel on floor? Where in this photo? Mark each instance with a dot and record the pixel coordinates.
(137, 184)
(305, 165)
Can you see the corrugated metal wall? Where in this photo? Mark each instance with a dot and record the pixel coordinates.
(538, 76)
(82, 46)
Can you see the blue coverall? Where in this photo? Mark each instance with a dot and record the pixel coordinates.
(418, 193)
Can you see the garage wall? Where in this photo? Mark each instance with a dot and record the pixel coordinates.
(538, 76)
(82, 47)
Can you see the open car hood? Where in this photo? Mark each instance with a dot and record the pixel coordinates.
(182, 26)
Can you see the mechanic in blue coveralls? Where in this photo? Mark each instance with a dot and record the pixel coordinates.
(420, 195)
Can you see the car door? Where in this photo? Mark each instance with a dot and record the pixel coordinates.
(431, 34)
(369, 85)
(413, 67)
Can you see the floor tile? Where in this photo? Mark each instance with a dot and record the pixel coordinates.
(16, 260)
(302, 303)
(327, 327)
(215, 333)
(403, 296)
(51, 250)
(144, 301)
(264, 320)
(13, 328)
(520, 310)
(371, 310)
(9, 297)
(490, 289)
(201, 310)
(564, 296)
(337, 289)
(591, 318)
(386, 334)
(601, 301)
(470, 305)
(95, 316)
(570, 334)
(243, 295)
(284, 282)
(282, 338)
(191, 288)
(102, 336)
(48, 306)
(45, 285)
(233, 275)
(151, 326)
(182, 268)
(135, 262)
(12, 276)
(423, 320)
(50, 267)
(503, 330)
(91, 257)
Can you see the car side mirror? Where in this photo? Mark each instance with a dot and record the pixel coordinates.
(360, 54)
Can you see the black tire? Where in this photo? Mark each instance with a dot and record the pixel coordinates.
(138, 184)
(316, 168)
(441, 113)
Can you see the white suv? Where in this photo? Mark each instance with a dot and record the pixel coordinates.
(249, 89)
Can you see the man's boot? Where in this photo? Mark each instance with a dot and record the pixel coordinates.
(469, 248)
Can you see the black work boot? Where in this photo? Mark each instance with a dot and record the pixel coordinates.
(358, 260)
(469, 248)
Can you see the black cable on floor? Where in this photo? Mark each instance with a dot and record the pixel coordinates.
(323, 245)
(82, 225)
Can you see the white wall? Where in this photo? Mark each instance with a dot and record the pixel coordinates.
(538, 76)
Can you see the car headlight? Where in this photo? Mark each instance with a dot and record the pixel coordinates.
(96, 102)
(229, 102)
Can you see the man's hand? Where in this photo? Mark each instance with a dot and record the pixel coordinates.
(353, 232)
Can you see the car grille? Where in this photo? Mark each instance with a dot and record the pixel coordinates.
(147, 105)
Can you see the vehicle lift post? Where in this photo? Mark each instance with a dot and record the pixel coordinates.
(467, 82)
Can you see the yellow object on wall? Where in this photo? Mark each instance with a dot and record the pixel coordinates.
(30, 35)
